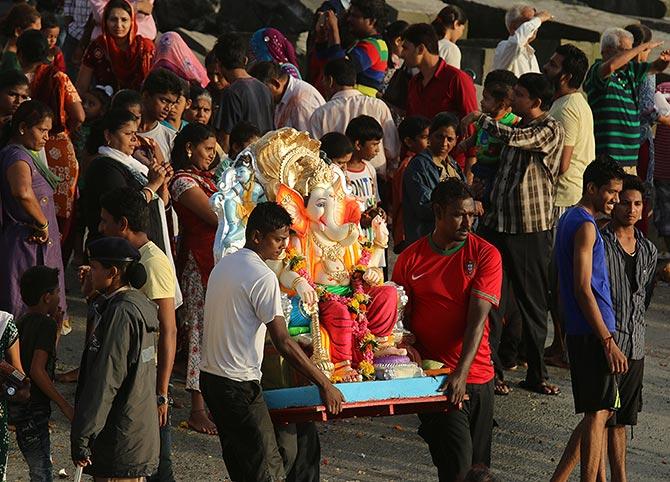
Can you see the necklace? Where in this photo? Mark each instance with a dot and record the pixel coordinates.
(331, 253)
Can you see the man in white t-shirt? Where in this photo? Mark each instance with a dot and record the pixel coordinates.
(242, 303)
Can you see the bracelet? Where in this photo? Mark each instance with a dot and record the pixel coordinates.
(606, 341)
(295, 282)
(151, 193)
(42, 227)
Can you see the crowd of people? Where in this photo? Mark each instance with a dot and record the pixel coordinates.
(534, 200)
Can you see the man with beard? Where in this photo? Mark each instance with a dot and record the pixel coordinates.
(567, 69)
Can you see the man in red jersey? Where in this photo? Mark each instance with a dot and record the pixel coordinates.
(453, 278)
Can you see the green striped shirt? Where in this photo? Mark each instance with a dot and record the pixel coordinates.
(616, 113)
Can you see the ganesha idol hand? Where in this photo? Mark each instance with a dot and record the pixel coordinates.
(373, 276)
(305, 291)
(380, 231)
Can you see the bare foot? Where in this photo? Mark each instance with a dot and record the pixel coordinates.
(390, 351)
(200, 422)
(346, 374)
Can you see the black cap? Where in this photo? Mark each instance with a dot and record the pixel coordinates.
(112, 249)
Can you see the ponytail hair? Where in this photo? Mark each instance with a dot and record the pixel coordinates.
(132, 273)
(446, 19)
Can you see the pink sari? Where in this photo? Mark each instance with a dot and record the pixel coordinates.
(173, 54)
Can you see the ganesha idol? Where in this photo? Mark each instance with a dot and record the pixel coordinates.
(333, 269)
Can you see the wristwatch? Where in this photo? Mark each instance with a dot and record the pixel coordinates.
(162, 400)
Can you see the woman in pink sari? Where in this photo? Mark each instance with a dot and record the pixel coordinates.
(173, 54)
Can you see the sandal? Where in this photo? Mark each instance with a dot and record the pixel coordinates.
(543, 388)
(501, 387)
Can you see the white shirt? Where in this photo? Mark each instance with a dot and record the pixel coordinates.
(515, 53)
(363, 185)
(450, 52)
(334, 116)
(164, 137)
(297, 105)
(242, 297)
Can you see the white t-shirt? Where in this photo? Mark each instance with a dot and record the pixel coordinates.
(450, 52)
(363, 185)
(164, 137)
(242, 297)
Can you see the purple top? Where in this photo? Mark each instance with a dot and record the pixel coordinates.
(16, 227)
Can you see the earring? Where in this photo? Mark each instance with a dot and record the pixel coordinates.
(21, 132)
(188, 154)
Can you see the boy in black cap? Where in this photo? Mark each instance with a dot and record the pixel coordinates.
(38, 335)
(111, 431)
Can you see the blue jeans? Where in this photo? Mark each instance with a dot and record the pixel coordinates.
(165, 473)
(32, 437)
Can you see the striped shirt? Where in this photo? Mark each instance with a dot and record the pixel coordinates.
(524, 188)
(616, 110)
(662, 143)
(629, 301)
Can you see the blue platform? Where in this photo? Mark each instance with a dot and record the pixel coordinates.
(356, 392)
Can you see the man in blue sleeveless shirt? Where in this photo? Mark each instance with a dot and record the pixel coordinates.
(584, 285)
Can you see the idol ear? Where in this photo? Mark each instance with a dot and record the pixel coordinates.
(293, 202)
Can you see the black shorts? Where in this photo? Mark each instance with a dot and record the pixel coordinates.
(594, 387)
(630, 392)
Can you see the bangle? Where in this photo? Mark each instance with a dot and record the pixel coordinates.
(151, 193)
(42, 227)
(606, 341)
(295, 282)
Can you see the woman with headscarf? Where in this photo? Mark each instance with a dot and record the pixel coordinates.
(270, 45)
(54, 88)
(173, 54)
(119, 57)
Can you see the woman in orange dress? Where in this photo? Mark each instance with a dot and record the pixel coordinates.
(54, 88)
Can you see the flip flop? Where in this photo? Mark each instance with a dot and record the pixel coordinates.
(543, 388)
(501, 388)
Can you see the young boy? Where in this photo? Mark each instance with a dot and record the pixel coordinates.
(365, 134)
(128, 99)
(160, 92)
(14, 90)
(242, 136)
(38, 335)
(51, 31)
(413, 131)
(496, 102)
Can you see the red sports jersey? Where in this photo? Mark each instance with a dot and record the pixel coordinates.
(439, 287)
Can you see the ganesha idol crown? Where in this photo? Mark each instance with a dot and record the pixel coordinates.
(289, 157)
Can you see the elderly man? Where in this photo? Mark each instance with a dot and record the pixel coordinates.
(612, 86)
(515, 53)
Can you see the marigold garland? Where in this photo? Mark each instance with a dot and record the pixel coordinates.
(357, 303)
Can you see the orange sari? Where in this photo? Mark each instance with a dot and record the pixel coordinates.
(55, 89)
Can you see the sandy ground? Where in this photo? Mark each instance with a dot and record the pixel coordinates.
(531, 433)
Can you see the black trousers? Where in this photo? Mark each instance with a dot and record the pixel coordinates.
(526, 268)
(245, 430)
(461, 438)
(300, 449)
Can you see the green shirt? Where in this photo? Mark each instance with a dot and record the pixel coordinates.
(488, 148)
(614, 101)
